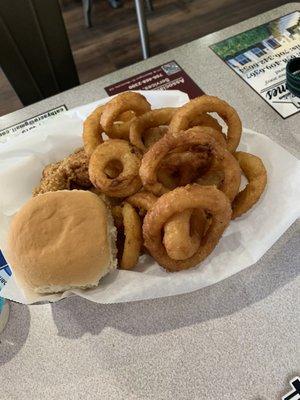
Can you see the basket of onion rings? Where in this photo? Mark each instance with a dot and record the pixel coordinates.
(144, 160)
(189, 195)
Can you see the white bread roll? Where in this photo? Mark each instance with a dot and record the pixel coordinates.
(62, 240)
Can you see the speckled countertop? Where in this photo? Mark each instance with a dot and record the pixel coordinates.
(238, 339)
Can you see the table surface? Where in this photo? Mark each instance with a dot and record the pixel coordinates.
(237, 339)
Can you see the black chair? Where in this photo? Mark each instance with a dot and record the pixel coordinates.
(35, 52)
(87, 8)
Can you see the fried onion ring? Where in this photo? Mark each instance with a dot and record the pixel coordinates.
(185, 115)
(150, 119)
(190, 225)
(123, 102)
(142, 200)
(152, 135)
(206, 120)
(214, 175)
(194, 140)
(207, 198)
(128, 181)
(130, 239)
(126, 116)
(216, 134)
(121, 128)
(168, 177)
(256, 174)
(180, 169)
(92, 131)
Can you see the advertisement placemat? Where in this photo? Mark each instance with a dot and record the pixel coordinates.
(30, 123)
(260, 56)
(168, 76)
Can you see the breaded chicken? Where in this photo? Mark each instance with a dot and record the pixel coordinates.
(71, 172)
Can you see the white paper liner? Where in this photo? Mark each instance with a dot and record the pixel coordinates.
(245, 241)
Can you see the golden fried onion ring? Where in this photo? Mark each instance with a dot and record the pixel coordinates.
(133, 237)
(216, 134)
(142, 200)
(129, 238)
(206, 120)
(175, 227)
(192, 140)
(183, 233)
(184, 117)
(180, 169)
(123, 102)
(214, 175)
(150, 119)
(152, 135)
(207, 198)
(256, 174)
(92, 131)
(128, 181)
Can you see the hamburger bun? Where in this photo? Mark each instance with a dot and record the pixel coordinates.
(62, 240)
